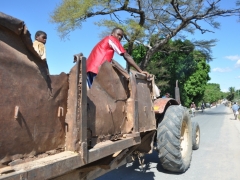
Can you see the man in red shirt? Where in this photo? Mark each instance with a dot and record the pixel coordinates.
(104, 51)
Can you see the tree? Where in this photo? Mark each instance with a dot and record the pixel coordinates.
(173, 62)
(143, 19)
(230, 97)
(212, 93)
(237, 94)
(195, 85)
(178, 60)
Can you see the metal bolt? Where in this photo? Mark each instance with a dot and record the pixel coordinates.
(60, 111)
(16, 112)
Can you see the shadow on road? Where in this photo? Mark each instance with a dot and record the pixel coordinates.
(233, 119)
(153, 158)
(135, 171)
(214, 113)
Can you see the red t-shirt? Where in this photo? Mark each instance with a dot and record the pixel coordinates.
(102, 52)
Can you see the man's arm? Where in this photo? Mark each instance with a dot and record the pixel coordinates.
(117, 47)
(132, 63)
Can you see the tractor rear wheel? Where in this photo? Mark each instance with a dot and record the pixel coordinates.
(174, 139)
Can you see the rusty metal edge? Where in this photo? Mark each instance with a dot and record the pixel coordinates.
(133, 95)
(45, 168)
(83, 112)
(59, 164)
(112, 147)
(95, 172)
(76, 101)
(162, 103)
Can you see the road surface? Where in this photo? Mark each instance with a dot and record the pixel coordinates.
(218, 157)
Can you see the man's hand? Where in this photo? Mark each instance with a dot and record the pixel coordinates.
(132, 63)
(147, 74)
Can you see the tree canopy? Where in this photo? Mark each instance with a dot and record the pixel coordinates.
(212, 93)
(231, 94)
(178, 61)
(144, 19)
(194, 87)
(153, 24)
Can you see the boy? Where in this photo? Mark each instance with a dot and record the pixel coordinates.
(39, 44)
(193, 107)
(104, 51)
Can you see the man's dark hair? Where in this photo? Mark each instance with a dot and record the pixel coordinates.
(38, 33)
(116, 28)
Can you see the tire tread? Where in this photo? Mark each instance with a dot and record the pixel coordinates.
(168, 137)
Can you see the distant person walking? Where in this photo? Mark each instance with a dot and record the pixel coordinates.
(202, 106)
(193, 107)
(235, 108)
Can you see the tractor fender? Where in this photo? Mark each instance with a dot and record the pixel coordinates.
(161, 104)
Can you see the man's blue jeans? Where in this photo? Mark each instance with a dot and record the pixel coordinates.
(90, 78)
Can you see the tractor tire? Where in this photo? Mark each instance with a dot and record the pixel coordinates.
(174, 139)
(195, 135)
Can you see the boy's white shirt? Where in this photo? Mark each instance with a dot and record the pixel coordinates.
(40, 49)
(156, 92)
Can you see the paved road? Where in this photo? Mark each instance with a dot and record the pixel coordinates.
(218, 157)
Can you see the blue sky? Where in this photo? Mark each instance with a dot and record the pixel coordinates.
(36, 15)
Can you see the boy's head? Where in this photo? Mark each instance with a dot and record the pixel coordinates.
(41, 36)
(118, 33)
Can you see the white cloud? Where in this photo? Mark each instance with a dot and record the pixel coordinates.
(233, 58)
(225, 90)
(237, 65)
(221, 69)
